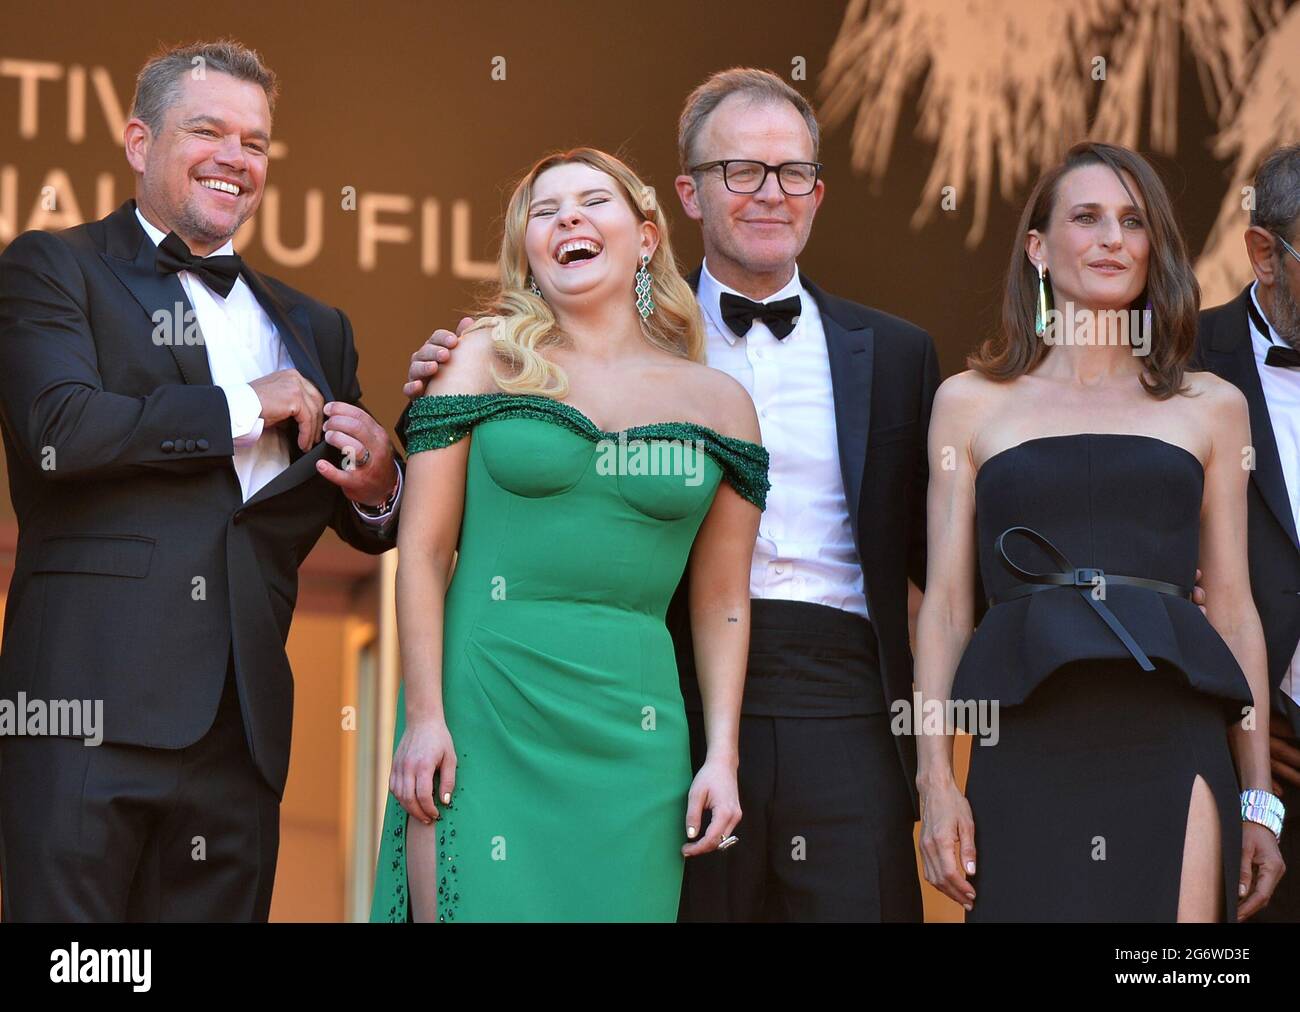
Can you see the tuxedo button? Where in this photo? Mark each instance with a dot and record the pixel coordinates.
(167, 446)
(190, 445)
(202, 444)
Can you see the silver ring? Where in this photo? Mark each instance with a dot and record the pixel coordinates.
(728, 841)
(365, 459)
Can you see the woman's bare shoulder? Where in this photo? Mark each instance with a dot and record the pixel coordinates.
(966, 396)
(1216, 388)
(714, 399)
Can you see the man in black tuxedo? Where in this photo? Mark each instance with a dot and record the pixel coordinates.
(843, 394)
(163, 409)
(1254, 342)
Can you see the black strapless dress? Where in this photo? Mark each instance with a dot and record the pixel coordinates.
(1113, 690)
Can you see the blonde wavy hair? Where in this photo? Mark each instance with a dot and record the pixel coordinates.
(523, 324)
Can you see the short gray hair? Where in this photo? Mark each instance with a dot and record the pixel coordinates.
(1277, 192)
(157, 86)
(760, 85)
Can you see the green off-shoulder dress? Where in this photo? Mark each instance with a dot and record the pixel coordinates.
(559, 680)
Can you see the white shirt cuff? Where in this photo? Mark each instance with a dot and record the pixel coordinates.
(382, 518)
(245, 413)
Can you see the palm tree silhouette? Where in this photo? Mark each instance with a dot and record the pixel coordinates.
(1008, 86)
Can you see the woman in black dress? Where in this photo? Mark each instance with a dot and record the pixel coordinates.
(1088, 474)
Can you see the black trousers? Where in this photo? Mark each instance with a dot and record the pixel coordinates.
(129, 833)
(826, 829)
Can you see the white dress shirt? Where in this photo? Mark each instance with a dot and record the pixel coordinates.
(1282, 395)
(243, 344)
(805, 549)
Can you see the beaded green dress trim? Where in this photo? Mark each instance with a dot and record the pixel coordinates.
(439, 420)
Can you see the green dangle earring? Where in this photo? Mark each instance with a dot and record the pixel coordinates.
(1040, 315)
(645, 299)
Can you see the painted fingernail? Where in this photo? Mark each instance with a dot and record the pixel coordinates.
(446, 799)
(970, 867)
(690, 832)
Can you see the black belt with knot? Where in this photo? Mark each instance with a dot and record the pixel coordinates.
(1083, 579)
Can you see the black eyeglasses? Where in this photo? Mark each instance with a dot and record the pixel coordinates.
(1289, 248)
(796, 179)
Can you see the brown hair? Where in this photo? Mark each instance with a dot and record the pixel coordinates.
(760, 86)
(1171, 290)
(157, 86)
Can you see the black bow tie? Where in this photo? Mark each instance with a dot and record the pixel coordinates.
(218, 273)
(739, 313)
(1287, 358)
(1281, 355)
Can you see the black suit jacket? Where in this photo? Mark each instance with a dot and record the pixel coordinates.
(1224, 347)
(884, 374)
(140, 570)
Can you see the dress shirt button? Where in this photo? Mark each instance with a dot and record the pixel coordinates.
(190, 445)
(780, 569)
(167, 446)
(202, 444)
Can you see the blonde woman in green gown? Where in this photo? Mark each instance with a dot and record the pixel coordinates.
(581, 458)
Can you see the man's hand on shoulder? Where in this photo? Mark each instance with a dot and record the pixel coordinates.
(425, 361)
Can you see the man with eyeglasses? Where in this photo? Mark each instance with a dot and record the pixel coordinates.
(1254, 342)
(843, 394)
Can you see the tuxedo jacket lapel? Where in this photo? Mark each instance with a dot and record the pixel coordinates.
(850, 345)
(132, 256)
(1233, 357)
(295, 331)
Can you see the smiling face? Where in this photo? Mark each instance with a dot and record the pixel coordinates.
(202, 173)
(758, 234)
(583, 240)
(1095, 245)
